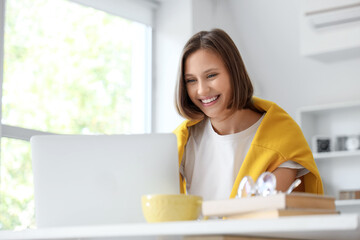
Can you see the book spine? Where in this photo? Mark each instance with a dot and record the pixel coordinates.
(306, 202)
(237, 206)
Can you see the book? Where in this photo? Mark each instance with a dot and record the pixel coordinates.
(349, 194)
(276, 213)
(277, 201)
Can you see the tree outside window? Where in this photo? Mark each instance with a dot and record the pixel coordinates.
(67, 69)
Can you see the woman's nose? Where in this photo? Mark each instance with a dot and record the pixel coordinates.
(203, 88)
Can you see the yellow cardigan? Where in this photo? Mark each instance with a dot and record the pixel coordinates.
(277, 140)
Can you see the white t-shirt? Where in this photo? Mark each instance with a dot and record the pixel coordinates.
(211, 161)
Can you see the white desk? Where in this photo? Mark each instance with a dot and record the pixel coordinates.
(344, 226)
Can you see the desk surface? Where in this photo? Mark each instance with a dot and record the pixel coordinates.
(344, 226)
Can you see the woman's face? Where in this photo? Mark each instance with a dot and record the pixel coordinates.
(208, 83)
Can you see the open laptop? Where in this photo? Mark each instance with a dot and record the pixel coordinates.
(88, 180)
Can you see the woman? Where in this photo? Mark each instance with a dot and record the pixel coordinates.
(229, 133)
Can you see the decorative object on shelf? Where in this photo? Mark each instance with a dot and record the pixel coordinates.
(321, 144)
(349, 194)
(348, 142)
(352, 142)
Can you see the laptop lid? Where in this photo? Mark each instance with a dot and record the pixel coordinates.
(87, 180)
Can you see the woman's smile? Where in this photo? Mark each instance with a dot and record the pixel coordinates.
(209, 101)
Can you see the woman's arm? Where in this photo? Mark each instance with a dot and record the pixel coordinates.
(284, 178)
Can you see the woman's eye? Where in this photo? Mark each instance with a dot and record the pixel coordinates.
(212, 75)
(189, 80)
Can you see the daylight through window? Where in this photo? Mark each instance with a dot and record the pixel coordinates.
(71, 69)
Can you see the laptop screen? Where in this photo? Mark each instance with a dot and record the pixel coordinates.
(87, 180)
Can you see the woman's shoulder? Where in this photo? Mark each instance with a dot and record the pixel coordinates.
(185, 125)
(275, 116)
(279, 131)
(264, 105)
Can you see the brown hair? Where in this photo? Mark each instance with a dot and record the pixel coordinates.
(220, 43)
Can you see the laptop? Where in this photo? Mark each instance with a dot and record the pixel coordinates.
(97, 180)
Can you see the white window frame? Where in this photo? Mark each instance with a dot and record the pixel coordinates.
(137, 10)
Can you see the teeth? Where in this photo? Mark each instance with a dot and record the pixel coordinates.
(209, 100)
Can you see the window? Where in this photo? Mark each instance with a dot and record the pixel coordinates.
(68, 68)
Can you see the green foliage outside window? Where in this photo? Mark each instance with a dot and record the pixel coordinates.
(16, 195)
(67, 69)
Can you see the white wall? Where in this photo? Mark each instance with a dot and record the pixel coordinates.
(267, 34)
(173, 25)
(269, 40)
(176, 21)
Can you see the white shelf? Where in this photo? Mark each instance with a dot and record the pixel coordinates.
(348, 206)
(336, 154)
(329, 107)
(338, 169)
(350, 202)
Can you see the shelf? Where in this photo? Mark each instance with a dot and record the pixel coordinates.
(350, 202)
(348, 206)
(332, 121)
(336, 154)
(317, 109)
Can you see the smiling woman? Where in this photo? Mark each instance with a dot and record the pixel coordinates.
(229, 134)
(68, 68)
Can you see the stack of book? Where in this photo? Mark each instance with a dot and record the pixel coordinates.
(272, 206)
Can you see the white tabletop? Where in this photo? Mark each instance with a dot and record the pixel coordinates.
(344, 226)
